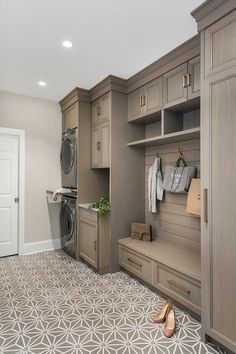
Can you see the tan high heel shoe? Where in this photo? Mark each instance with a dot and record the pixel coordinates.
(160, 317)
(170, 324)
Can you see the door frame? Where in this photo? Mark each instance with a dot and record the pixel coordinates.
(21, 183)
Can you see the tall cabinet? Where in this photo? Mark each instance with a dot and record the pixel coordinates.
(218, 229)
(109, 135)
(76, 112)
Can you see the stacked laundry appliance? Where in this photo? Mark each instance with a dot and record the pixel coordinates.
(68, 158)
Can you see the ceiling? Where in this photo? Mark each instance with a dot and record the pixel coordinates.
(118, 37)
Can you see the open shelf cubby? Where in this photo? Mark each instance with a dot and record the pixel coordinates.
(177, 123)
(167, 138)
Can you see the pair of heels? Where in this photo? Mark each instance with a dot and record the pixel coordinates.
(167, 315)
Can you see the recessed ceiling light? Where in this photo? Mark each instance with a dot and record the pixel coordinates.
(67, 44)
(42, 83)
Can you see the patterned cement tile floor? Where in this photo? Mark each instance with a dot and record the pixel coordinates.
(52, 304)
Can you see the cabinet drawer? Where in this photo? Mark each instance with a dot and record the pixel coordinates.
(136, 264)
(177, 286)
(89, 215)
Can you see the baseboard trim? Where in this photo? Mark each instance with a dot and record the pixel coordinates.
(41, 246)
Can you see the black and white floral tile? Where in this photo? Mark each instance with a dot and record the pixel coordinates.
(52, 304)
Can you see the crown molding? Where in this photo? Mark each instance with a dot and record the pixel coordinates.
(110, 83)
(169, 61)
(211, 11)
(77, 94)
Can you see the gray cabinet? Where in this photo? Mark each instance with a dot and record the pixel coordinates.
(182, 83)
(70, 117)
(193, 78)
(145, 101)
(174, 86)
(94, 239)
(101, 109)
(88, 236)
(100, 132)
(135, 105)
(218, 182)
(100, 151)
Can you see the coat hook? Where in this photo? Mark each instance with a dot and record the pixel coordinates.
(181, 153)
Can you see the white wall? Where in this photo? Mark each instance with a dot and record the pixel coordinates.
(41, 121)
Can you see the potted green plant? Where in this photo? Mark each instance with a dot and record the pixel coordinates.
(102, 206)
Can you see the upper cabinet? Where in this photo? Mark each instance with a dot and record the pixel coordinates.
(193, 78)
(100, 132)
(182, 83)
(101, 109)
(175, 86)
(145, 101)
(70, 117)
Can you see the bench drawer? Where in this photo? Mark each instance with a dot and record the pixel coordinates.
(136, 263)
(182, 288)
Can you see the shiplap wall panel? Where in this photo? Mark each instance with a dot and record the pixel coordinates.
(171, 220)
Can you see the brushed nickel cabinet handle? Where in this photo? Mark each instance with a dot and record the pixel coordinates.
(188, 83)
(144, 100)
(95, 245)
(205, 205)
(136, 263)
(98, 145)
(141, 101)
(178, 286)
(184, 81)
(99, 111)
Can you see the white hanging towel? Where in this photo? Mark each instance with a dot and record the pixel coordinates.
(155, 190)
(59, 192)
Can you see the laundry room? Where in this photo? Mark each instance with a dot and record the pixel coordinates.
(117, 177)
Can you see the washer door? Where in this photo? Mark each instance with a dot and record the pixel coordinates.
(67, 223)
(67, 155)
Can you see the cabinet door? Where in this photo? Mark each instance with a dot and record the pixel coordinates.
(193, 78)
(88, 233)
(105, 108)
(218, 176)
(220, 45)
(175, 86)
(95, 147)
(96, 111)
(70, 117)
(135, 105)
(105, 145)
(153, 96)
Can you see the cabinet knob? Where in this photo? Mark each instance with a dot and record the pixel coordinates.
(184, 81)
(95, 245)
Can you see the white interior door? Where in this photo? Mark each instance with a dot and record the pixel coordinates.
(9, 178)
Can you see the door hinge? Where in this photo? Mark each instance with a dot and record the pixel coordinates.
(17, 200)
